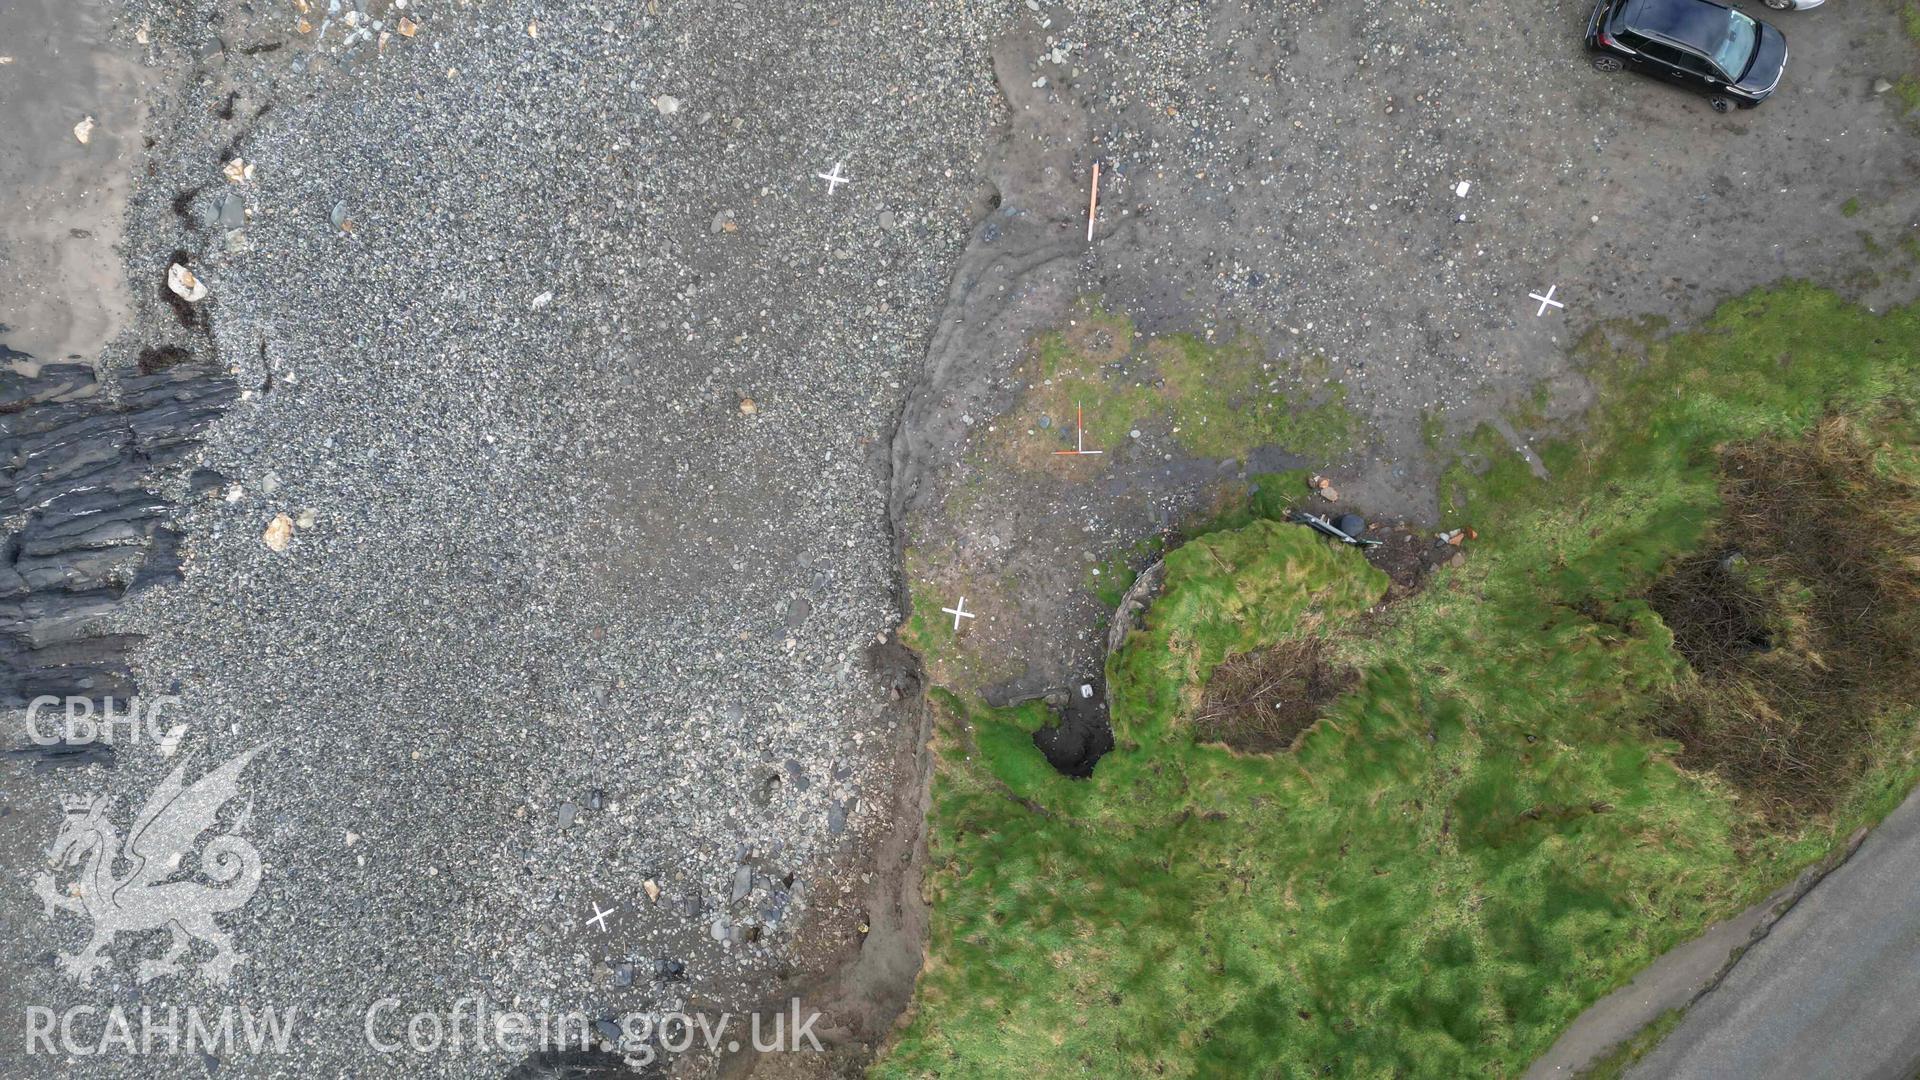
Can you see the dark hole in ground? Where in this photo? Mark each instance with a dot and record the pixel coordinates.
(1261, 701)
(1802, 642)
(1080, 734)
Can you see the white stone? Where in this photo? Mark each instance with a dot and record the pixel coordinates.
(185, 285)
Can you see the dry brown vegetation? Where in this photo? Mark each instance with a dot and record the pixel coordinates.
(1261, 701)
(1802, 626)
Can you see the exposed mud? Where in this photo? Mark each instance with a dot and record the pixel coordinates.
(66, 297)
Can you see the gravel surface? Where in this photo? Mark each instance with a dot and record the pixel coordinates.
(574, 382)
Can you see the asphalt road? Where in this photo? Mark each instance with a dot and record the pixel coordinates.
(1832, 993)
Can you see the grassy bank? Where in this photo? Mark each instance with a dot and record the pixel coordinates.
(1494, 825)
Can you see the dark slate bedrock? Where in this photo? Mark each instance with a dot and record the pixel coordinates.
(80, 463)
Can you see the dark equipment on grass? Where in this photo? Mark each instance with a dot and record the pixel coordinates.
(1339, 530)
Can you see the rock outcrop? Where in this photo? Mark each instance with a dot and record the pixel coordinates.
(80, 468)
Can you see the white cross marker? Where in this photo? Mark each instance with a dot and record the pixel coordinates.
(1546, 301)
(599, 916)
(833, 179)
(958, 613)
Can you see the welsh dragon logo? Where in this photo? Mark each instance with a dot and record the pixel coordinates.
(164, 885)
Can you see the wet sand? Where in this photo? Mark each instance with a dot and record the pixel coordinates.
(65, 296)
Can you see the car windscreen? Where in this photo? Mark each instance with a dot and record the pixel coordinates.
(1737, 48)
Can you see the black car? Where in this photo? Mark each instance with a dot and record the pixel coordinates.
(1707, 47)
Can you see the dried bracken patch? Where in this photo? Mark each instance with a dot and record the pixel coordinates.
(1261, 701)
(1803, 626)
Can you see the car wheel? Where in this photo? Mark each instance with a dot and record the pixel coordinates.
(1607, 64)
(1780, 5)
(1720, 104)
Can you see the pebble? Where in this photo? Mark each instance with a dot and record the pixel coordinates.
(279, 533)
(185, 285)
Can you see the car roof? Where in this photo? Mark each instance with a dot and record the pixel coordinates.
(1698, 23)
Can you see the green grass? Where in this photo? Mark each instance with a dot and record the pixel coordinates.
(1471, 847)
(1218, 400)
(1850, 207)
(1908, 89)
(1111, 579)
(1910, 22)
